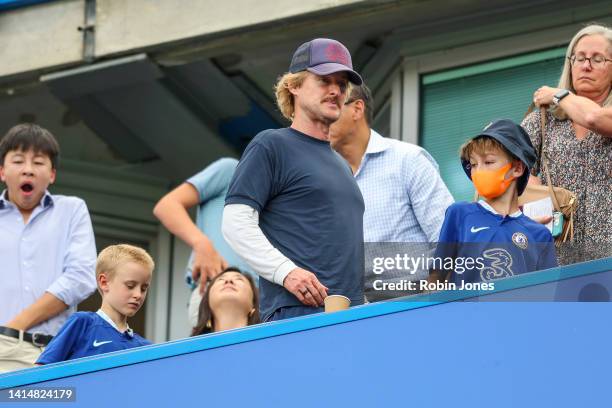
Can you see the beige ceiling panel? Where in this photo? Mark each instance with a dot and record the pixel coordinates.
(136, 24)
(41, 36)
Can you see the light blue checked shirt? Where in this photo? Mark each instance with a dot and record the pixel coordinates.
(53, 252)
(405, 197)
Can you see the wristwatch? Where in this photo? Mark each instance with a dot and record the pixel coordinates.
(559, 95)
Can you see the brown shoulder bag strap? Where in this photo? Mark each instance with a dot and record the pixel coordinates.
(544, 159)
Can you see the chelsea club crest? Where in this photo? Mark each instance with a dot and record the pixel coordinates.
(520, 240)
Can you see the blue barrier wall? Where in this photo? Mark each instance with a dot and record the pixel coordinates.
(487, 352)
(13, 4)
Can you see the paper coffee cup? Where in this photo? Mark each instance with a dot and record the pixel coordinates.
(335, 303)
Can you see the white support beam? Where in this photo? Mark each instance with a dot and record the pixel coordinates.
(180, 293)
(410, 102)
(166, 312)
(157, 300)
(396, 106)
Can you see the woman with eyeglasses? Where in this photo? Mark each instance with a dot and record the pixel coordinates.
(578, 141)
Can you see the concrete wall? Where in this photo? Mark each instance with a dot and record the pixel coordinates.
(37, 37)
(125, 25)
(46, 36)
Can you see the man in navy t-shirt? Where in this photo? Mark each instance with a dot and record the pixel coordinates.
(293, 210)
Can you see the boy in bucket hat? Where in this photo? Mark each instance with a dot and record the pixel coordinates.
(492, 238)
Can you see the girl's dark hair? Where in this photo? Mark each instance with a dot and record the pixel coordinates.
(28, 136)
(205, 314)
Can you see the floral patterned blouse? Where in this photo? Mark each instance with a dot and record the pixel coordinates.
(584, 167)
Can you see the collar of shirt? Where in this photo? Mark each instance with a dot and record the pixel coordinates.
(487, 207)
(376, 144)
(103, 315)
(45, 202)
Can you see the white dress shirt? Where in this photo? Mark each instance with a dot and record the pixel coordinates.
(53, 252)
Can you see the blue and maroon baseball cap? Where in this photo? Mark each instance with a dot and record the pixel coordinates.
(323, 56)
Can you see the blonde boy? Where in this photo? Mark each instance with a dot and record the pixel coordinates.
(492, 239)
(123, 275)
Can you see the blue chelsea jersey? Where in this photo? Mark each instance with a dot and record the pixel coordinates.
(485, 245)
(88, 334)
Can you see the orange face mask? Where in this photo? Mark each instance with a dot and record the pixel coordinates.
(492, 183)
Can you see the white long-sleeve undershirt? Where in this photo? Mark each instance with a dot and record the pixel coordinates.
(240, 228)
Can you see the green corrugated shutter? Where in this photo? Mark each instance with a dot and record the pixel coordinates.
(457, 104)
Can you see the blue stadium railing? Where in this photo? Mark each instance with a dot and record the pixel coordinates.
(526, 343)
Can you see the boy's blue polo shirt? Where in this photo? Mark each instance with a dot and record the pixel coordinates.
(504, 245)
(88, 334)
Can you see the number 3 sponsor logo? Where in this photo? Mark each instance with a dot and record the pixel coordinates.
(500, 265)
